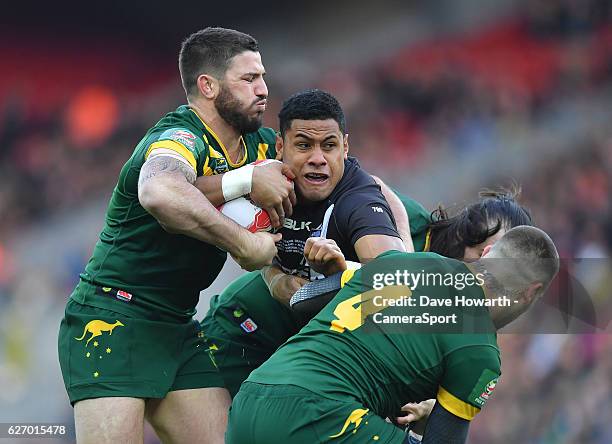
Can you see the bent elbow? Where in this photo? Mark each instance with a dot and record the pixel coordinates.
(150, 198)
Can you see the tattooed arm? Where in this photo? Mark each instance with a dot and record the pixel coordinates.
(166, 191)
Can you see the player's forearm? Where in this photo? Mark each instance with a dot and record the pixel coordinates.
(211, 187)
(270, 272)
(180, 208)
(399, 213)
(281, 285)
(371, 246)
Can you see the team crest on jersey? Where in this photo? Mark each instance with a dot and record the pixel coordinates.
(219, 165)
(216, 161)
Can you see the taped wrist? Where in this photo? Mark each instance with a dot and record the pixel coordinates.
(237, 183)
(274, 281)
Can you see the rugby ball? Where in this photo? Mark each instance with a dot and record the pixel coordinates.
(247, 214)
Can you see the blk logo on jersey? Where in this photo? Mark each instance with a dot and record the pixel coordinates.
(295, 225)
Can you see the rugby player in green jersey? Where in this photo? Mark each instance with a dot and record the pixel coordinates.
(128, 345)
(349, 368)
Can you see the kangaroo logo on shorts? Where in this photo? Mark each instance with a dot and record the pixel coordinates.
(355, 417)
(96, 327)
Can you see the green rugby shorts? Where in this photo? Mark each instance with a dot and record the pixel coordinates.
(280, 414)
(235, 353)
(106, 354)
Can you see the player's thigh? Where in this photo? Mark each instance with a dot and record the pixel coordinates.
(193, 415)
(109, 420)
(195, 408)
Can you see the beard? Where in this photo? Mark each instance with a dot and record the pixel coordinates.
(232, 111)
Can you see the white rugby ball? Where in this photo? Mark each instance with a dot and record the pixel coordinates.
(247, 214)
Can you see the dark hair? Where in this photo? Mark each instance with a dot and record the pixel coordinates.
(476, 222)
(312, 104)
(210, 51)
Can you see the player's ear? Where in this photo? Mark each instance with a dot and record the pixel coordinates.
(531, 293)
(279, 147)
(208, 86)
(486, 250)
(346, 146)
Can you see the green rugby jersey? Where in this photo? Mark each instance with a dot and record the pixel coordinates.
(160, 271)
(344, 354)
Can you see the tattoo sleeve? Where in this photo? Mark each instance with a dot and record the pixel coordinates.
(158, 165)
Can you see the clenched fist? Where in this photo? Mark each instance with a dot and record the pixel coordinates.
(324, 256)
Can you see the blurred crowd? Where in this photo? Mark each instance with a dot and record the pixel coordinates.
(464, 92)
(557, 388)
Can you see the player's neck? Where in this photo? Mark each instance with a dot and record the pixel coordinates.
(227, 135)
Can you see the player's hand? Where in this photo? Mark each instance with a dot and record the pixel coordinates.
(259, 251)
(272, 190)
(417, 413)
(285, 286)
(324, 256)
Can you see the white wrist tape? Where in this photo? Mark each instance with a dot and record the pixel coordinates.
(274, 281)
(237, 183)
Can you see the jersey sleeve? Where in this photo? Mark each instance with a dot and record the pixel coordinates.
(182, 142)
(470, 376)
(364, 212)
